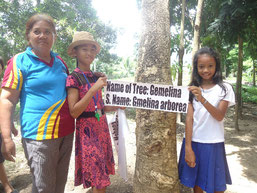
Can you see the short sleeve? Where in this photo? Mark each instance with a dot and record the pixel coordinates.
(72, 82)
(230, 95)
(13, 77)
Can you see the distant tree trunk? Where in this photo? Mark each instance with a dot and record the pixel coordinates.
(181, 50)
(156, 158)
(226, 66)
(238, 107)
(254, 74)
(181, 44)
(223, 67)
(197, 27)
(224, 73)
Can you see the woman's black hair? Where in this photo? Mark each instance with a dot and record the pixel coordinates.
(196, 79)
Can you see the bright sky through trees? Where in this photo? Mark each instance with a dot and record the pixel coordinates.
(124, 15)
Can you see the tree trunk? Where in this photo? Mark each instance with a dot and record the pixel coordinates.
(181, 44)
(238, 107)
(156, 158)
(254, 74)
(226, 66)
(181, 51)
(197, 27)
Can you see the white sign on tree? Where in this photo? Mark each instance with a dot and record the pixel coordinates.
(147, 96)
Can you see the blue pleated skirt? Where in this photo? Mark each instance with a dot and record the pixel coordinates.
(211, 172)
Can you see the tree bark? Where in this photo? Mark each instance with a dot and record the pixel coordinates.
(254, 74)
(156, 158)
(238, 109)
(197, 27)
(181, 44)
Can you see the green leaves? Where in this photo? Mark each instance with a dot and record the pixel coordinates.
(69, 15)
(234, 19)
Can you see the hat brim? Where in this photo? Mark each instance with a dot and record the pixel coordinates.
(82, 42)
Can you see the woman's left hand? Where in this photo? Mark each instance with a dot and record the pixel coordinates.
(197, 92)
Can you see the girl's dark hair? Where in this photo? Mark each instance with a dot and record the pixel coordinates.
(196, 79)
(2, 62)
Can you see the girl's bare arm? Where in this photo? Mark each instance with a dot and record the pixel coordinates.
(77, 106)
(217, 113)
(189, 153)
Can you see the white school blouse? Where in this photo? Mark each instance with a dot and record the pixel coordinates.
(206, 129)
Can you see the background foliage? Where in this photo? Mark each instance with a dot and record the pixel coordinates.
(222, 22)
(69, 15)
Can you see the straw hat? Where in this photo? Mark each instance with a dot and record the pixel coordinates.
(81, 38)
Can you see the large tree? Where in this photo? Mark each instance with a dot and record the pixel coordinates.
(156, 157)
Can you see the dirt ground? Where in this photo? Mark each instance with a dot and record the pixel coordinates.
(241, 149)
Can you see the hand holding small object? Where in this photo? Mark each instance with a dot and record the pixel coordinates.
(197, 92)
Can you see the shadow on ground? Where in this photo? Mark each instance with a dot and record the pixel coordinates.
(19, 182)
(245, 139)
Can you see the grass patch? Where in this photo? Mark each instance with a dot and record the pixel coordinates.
(249, 93)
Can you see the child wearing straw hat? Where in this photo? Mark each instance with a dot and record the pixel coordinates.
(94, 160)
